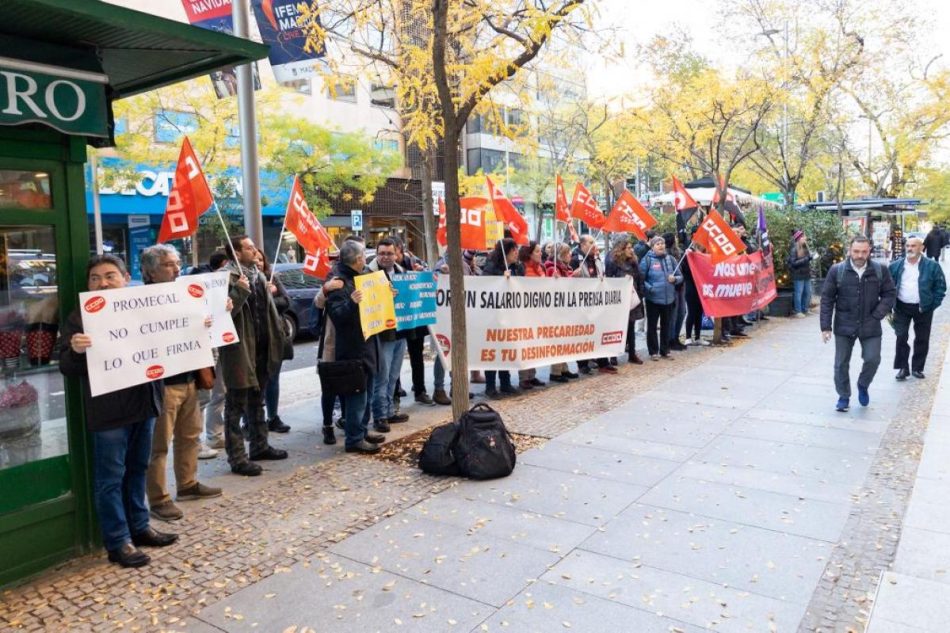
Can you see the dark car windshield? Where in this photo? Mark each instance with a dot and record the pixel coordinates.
(295, 279)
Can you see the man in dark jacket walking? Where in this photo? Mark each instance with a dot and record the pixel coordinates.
(934, 242)
(921, 288)
(859, 293)
(121, 424)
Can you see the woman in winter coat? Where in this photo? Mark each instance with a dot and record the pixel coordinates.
(659, 280)
(499, 264)
(799, 269)
(623, 263)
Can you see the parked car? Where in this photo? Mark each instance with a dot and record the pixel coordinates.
(302, 288)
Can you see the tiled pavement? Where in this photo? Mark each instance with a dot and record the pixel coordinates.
(726, 495)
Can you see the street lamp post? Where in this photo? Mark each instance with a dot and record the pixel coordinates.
(247, 121)
(769, 33)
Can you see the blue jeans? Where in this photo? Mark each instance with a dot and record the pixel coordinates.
(801, 295)
(391, 355)
(438, 373)
(120, 460)
(357, 406)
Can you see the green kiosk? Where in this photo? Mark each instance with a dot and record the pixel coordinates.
(62, 63)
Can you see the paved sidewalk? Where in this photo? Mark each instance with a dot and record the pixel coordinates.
(914, 596)
(715, 500)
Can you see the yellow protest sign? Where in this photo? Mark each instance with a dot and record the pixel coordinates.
(377, 310)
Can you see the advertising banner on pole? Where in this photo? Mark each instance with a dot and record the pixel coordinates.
(520, 323)
(415, 299)
(280, 24)
(737, 285)
(377, 311)
(222, 331)
(143, 333)
(216, 16)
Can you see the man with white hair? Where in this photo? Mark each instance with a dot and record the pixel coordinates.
(921, 287)
(180, 419)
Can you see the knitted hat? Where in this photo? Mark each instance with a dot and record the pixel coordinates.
(797, 234)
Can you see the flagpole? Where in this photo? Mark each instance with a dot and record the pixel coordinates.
(280, 237)
(227, 236)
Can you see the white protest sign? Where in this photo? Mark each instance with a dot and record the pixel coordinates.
(222, 330)
(142, 333)
(520, 323)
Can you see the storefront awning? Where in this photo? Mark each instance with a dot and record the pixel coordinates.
(138, 52)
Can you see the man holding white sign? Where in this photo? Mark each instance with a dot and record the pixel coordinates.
(121, 424)
(180, 420)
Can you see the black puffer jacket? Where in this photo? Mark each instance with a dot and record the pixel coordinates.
(345, 315)
(109, 410)
(799, 267)
(858, 304)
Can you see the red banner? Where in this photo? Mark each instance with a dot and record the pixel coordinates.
(737, 285)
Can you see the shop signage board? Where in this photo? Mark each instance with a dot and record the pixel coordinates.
(71, 101)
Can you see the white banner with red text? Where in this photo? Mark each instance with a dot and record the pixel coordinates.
(520, 323)
(738, 285)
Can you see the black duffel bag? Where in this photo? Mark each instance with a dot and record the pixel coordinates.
(342, 377)
(484, 449)
(438, 453)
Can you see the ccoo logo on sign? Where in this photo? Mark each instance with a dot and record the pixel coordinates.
(94, 304)
(611, 338)
(228, 337)
(154, 372)
(444, 343)
(196, 291)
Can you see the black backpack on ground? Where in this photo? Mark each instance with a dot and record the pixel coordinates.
(437, 456)
(484, 449)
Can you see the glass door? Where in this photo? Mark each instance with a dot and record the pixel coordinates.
(34, 434)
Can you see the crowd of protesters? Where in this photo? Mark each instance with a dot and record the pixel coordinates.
(236, 402)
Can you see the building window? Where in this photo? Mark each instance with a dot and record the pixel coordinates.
(303, 86)
(343, 90)
(474, 124)
(382, 95)
(387, 144)
(170, 125)
(488, 160)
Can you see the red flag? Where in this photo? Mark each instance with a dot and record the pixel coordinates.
(189, 198)
(561, 210)
(584, 207)
(305, 226)
(472, 221)
(629, 216)
(724, 187)
(683, 201)
(506, 212)
(719, 240)
(317, 264)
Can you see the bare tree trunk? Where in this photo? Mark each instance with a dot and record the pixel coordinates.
(428, 225)
(451, 127)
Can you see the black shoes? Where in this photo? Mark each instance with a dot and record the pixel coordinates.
(328, 436)
(676, 346)
(584, 369)
(269, 453)
(276, 425)
(375, 438)
(536, 382)
(511, 390)
(246, 469)
(382, 425)
(399, 418)
(558, 378)
(902, 374)
(129, 556)
(153, 538)
(570, 375)
(917, 374)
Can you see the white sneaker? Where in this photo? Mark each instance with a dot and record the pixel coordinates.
(701, 342)
(206, 452)
(798, 315)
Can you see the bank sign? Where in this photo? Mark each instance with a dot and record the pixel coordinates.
(71, 101)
